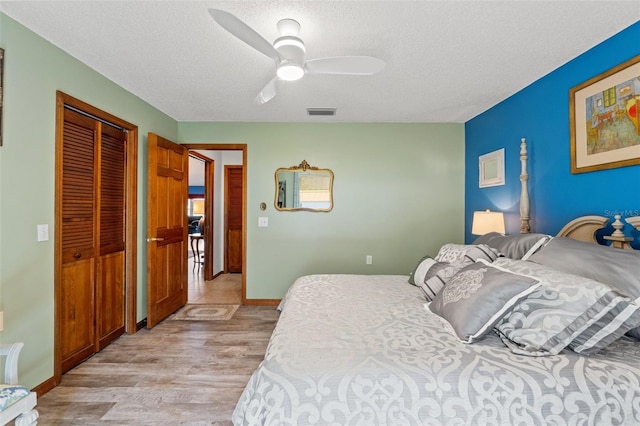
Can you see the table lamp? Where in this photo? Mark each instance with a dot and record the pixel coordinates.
(487, 221)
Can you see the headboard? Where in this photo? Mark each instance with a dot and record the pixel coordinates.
(584, 228)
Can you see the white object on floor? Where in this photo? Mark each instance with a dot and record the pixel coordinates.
(16, 402)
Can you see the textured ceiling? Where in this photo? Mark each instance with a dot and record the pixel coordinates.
(446, 61)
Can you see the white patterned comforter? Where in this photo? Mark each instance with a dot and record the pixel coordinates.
(362, 350)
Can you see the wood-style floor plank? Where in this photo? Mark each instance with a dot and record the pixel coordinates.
(178, 373)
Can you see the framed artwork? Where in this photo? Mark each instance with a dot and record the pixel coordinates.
(604, 119)
(491, 168)
(1, 89)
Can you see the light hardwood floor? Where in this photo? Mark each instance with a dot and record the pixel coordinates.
(224, 289)
(178, 373)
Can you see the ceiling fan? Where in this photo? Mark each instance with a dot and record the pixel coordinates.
(288, 53)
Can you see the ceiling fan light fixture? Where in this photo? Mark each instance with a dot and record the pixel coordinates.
(288, 52)
(288, 27)
(290, 71)
(287, 41)
(292, 50)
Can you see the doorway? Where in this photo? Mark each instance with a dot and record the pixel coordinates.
(221, 286)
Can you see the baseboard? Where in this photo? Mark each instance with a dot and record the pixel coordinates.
(44, 387)
(261, 302)
(140, 325)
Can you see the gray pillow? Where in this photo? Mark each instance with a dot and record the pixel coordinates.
(517, 246)
(565, 311)
(451, 253)
(438, 276)
(432, 276)
(477, 297)
(616, 267)
(420, 270)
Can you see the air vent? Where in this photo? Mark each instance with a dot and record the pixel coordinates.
(321, 111)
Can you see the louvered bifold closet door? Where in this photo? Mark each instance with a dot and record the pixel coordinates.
(110, 283)
(78, 235)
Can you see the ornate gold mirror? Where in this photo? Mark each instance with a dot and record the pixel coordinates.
(305, 188)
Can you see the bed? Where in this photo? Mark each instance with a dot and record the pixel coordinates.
(381, 350)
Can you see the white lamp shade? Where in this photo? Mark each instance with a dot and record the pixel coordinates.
(487, 221)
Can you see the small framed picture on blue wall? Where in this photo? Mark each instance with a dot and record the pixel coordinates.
(604, 114)
(491, 167)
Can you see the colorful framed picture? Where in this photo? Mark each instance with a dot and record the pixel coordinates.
(604, 115)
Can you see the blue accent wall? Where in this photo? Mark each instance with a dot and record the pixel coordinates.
(540, 113)
(196, 190)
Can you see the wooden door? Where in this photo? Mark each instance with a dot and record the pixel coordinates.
(92, 235)
(167, 228)
(110, 276)
(77, 238)
(233, 218)
(209, 234)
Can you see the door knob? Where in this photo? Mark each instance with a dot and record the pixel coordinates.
(150, 240)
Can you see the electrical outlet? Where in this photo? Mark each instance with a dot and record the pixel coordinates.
(369, 259)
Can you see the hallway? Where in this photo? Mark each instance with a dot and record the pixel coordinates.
(225, 289)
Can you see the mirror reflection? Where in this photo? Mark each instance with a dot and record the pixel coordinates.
(304, 187)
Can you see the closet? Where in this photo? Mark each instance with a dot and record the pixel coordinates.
(91, 233)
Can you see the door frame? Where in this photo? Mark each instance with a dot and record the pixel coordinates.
(131, 221)
(209, 213)
(228, 167)
(243, 148)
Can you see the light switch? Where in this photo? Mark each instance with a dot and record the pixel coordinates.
(263, 222)
(43, 232)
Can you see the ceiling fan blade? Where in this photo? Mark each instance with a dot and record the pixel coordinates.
(245, 33)
(269, 91)
(350, 65)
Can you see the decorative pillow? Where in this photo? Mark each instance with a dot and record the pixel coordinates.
(516, 246)
(635, 333)
(566, 310)
(437, 277)
(477, 252)
(610, 324)
(451, 253)
(478, 296)
(618, 268)
(432, 275)
(420, 270)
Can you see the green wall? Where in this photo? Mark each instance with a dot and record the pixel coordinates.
(34, 70)
(398, 195)
(399, 190)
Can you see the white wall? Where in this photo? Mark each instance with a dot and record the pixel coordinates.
(221, 158)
